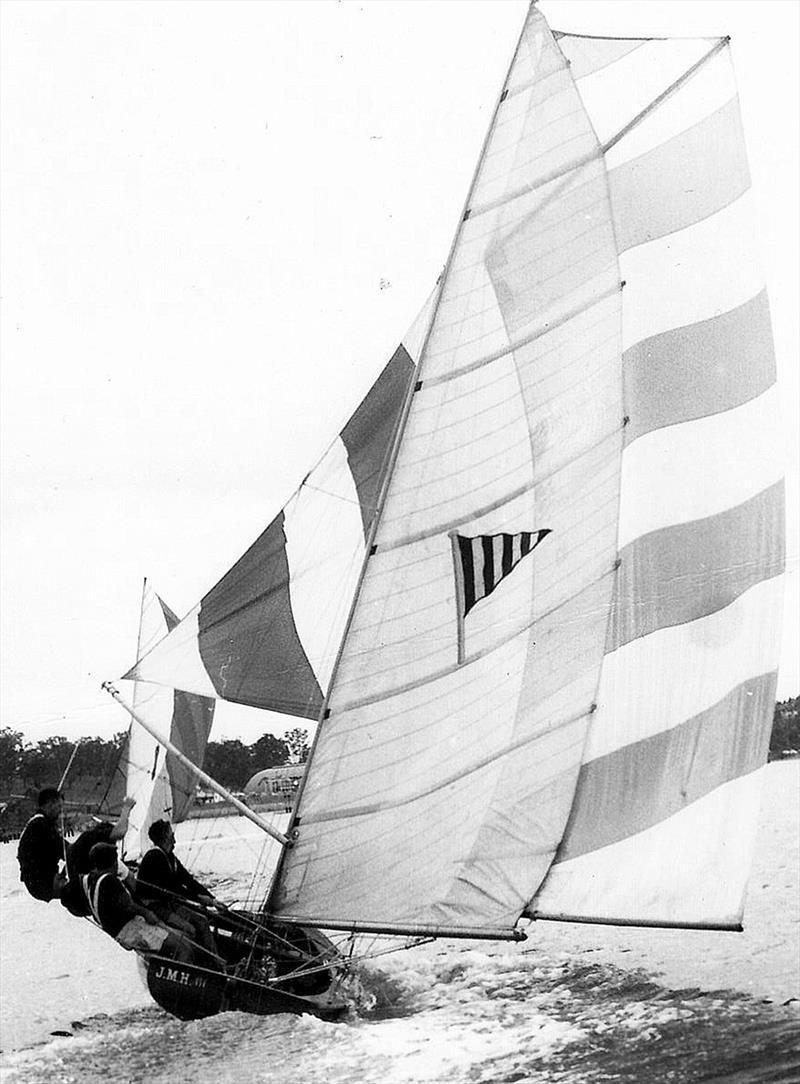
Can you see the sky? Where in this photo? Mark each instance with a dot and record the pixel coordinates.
(218, 220)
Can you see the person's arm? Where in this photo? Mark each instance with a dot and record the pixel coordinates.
(121, 826)
(154, 880)
(191, 887)
(125, 904)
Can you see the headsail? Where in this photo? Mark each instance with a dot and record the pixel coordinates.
(616, 691)
(267, 633)
(160, 785)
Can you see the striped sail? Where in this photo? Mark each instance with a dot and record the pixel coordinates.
(593, 752)
(266, 635)
(158, 783)
(663, 822)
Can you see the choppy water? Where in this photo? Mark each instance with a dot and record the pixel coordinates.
(454, 1015)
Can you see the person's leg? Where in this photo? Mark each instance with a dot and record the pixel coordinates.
(197, 927)
(177, 948)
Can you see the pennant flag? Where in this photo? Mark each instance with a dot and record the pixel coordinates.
(481, 563)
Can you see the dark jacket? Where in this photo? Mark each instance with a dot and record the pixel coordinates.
(41, 848)
(114, 904)
(161, 877)
(73, 896)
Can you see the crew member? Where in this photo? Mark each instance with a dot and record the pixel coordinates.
(73, 896)
(41, 848)
(161, 883)
(128, 922)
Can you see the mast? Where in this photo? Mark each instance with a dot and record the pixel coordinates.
(413, 386)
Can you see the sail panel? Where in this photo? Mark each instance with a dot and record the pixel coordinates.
(192, 719)
(246, 621)
(701, 369)
(651, 500)
(639, 694)
(645, 782)
(515, 425)
(676, 872)
(665, 809)
(267, 633)
(368, 435)
(662, 191)
(587, 55)
(158, 783)
(687, 571)
(645, 74)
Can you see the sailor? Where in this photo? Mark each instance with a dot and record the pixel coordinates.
(41, 847)
(128, 922)
(94, 831)
(161, 883)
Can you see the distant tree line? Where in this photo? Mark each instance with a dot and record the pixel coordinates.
(785, 728)
(27, 766)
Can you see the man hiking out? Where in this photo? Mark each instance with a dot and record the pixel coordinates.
(163, 881)
(41, 848)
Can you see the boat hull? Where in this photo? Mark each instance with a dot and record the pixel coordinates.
(264, 976)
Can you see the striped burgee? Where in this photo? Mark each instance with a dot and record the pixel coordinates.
(481, 563)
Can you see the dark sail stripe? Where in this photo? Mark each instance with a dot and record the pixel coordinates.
(508, 554)
(703, 369)
(465, 549)
(246, 624)
(681, 573)
(487, 544)
(369, 432)
(667, 189)
(642, 784)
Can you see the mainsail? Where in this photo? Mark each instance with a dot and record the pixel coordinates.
(596, 372)
(159, 784)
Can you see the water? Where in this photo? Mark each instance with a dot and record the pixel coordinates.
(572, 1005)
(458, 1015)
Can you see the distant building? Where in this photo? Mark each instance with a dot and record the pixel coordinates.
(274, 788)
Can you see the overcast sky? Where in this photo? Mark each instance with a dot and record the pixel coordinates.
(218, 219)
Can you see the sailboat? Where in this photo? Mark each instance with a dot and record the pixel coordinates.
(531, 593)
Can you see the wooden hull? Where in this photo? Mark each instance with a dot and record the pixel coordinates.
(281, 970)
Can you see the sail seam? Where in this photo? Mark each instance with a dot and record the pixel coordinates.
(533, 186)
(540, 332)
(581, 362)
(477, 513)
(446, 670)
(455, 777)
(512, 92)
